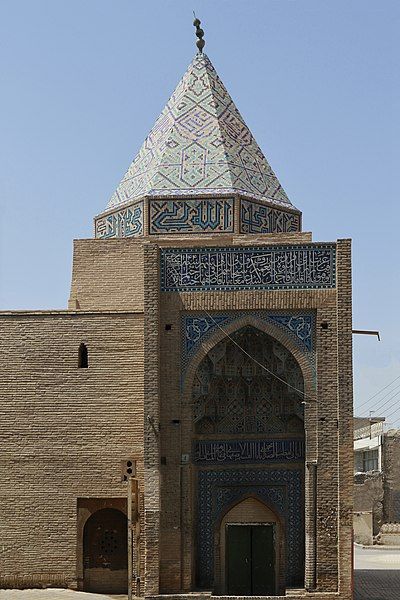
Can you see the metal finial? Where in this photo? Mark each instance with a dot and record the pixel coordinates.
(199, 33)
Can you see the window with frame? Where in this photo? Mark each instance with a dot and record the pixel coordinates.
(370, 460)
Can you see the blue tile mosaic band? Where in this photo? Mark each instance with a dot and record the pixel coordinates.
(281, 489)
(269, 267)
(191, 216)
(127, 222)
(209, 452)
(259, 218)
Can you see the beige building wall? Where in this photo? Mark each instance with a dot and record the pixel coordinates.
(63, 434)
(67, 429)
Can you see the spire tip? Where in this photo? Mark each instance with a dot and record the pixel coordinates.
(199, 33)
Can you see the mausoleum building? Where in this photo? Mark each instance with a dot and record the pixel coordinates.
(207, 341)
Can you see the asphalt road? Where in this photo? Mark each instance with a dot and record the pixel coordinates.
(376, 573)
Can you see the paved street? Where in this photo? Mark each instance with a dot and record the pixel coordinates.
(376, 574)
(376, 577)
(54, 594)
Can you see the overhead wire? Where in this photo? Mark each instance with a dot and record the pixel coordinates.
(378, 392)
(392, 405)
(381, 406)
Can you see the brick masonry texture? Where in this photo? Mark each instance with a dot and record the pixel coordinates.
(66, 429)
(63, 433)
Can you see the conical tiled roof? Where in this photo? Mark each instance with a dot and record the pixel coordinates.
(200, 145)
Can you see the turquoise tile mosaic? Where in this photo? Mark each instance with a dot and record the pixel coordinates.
(260, 218)
(127, 222)
(279, 488)
(200, 144)
(211, 215)
(269, 267)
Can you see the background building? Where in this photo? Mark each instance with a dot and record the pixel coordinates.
(208, 339)
(376, 479)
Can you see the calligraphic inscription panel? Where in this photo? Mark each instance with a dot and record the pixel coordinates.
(270, 267)
(247, 451)
(127, 222)
(260, 218)
(191, 216)
(281, 489)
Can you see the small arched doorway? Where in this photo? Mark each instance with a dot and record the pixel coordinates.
(250, 552)
(105, 552)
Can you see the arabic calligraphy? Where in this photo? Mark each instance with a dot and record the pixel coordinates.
(259, 218)
(247, 451)
(276, 267)
(191, 216)
(123, 223)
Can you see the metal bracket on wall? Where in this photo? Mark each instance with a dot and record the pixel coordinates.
(366, 332)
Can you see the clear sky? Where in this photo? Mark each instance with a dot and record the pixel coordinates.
(317, 81)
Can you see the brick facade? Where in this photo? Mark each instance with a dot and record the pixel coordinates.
(176, 277)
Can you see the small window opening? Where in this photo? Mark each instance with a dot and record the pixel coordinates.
(168, 327)
(83, 362)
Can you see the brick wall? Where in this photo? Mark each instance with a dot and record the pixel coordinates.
(107, 275)
(63, 433)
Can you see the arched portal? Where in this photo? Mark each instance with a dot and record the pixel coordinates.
(250, 549)
(248, 430)
(105, 556)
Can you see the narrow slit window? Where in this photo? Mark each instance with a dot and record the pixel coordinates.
(83, 361)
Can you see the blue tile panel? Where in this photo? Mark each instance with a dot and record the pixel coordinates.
(259, 218)
(222, 452)
(198, 327)
(210, 215)
(281, 489)
(269, 267)
(127, 222)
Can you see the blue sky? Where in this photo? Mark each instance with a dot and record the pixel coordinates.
(317, 81)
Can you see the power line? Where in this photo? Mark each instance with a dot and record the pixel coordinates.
(252, 357)
(378, 392)
(380, 406)
(394, 404)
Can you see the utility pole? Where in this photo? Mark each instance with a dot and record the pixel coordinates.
(129, 475)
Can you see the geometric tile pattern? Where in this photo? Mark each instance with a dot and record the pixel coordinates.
(260, 218)
(127, 222)
(198, 327)
(191, 216)
(217, 452)
(200, 144)
(269, 267)
(281, 489)
(298, 326)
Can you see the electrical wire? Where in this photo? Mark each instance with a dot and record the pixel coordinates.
(394, 404)
(378, 392)
(252, 357)
(380, 406)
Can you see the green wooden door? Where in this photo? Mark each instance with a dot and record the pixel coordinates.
(262, 560)
(250, 560)
(238, 554)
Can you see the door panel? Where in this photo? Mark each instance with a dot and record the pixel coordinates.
(238, 556)
(250, 560)
(262, 560)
